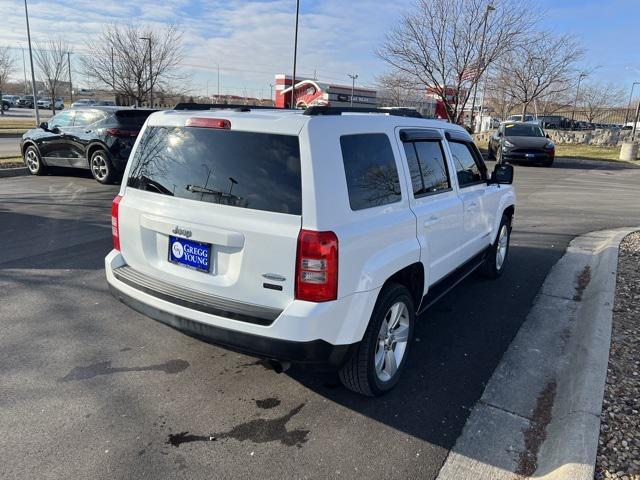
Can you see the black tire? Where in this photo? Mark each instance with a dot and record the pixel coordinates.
(102, 168)
(490, 153)
(359, 372)
(33, 161)
(548, 163)
(492, 267)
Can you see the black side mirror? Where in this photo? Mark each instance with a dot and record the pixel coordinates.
(547, 135)
(499, 133)
(502, 174)
(44, 126)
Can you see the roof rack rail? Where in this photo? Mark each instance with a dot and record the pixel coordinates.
(399, 112)
(220, 106)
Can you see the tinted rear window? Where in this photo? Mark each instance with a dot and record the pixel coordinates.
(370, 169)
(133, 117)
(242, 169)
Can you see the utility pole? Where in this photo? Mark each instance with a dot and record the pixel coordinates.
(295, 54)
(70, 84)
(218, 101)
(24, 69)
(353, 85)
(33, 76)
(148, 39)
(271, 94)
(575, 103)
(626, 114)
(480, 64)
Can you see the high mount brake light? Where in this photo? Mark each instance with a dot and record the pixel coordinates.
(115, 222)
(317, 266)
(118, 132)
(204, 122)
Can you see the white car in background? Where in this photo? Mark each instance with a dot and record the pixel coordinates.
(47, 104)
(315, 236)
(527, 119)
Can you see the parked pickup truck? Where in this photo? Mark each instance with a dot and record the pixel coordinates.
(315, 236)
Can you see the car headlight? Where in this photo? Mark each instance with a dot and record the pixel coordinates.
(549, 146)
(508, 144)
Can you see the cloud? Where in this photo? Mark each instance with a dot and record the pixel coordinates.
(250, 40)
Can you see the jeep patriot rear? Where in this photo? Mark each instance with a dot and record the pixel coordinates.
(303, 237)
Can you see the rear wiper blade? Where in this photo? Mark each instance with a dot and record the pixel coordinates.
(197, 189)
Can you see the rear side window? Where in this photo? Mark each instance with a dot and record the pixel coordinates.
(370, 169)
(466, 167)
(241, 169)
(427, 167)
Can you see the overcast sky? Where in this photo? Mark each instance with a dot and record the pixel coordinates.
(253, 40)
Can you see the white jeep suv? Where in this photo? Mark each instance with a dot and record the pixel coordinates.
(313, 236)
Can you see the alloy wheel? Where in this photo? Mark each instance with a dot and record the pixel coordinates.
(99, 167)
(503, 245)
(32, 161)
(393, 338)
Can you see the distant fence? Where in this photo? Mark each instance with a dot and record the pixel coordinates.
(602, 116)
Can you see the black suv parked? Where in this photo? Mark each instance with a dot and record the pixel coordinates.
(97, 138)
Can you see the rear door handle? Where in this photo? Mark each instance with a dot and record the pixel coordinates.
(87, 131)
(431, 220)
(472, 206)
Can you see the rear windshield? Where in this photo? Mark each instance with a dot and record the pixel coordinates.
(241, 169)
(133, 118)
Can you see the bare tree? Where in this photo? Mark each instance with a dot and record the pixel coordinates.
(119, 60)
(543, 66)
(446, 45)
(51, 58)
(396, 89)
(596, 97)
(7, 67)
(555, 102)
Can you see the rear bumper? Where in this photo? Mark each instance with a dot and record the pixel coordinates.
(315, 351)
(302, 332)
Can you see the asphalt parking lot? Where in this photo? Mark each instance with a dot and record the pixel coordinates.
(91, 389)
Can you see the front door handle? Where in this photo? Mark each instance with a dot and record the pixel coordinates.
(471, 206)
(87, 131)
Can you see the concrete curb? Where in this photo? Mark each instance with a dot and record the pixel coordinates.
(13, 172)
(539, 416)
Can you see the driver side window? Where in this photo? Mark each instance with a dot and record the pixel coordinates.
(61, 120)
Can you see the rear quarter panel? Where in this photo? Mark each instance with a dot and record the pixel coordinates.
(374, 243)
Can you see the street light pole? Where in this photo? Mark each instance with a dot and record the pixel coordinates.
(626, 114)
(295, 55)
(70, 84)
(33, 76)
(353, 85)
(575, 103)
(480, 64)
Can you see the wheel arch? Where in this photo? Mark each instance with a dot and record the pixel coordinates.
(412, 277)
(93, 147)
(29, 143)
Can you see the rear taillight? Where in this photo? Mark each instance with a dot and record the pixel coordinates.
(121, 133)
(317, 266)
(115, 225)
